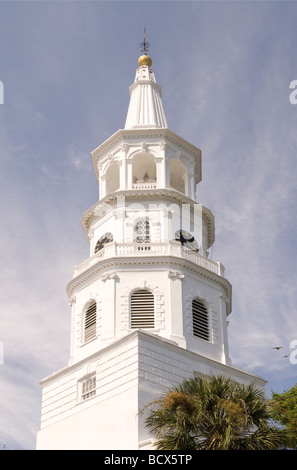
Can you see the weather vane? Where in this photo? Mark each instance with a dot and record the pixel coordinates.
(144, 45)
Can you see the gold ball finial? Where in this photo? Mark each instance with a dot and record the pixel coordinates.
(144, 60)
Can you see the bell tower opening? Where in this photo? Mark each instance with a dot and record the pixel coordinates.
(178, 176)
(144, 171)
(112, 178)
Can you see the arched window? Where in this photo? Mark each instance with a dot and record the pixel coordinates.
(142, 231)
(200, 319)
(144, 171)
(142, 309)
(90, 322)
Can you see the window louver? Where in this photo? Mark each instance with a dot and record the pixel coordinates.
(200, 320)
(142, 309)
(88, 388)
(90, 322)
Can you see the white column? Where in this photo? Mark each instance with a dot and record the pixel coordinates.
(224, 337)
(109, 307)
(191, 186)
(163, 172)
(159, 172)
(176, 310)
(163, 166)
(102, 186)
(123, 181)
(167, 174)
(99, 166)
(129, 174)
(73, 338)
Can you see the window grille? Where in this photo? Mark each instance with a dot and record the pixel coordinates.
(200, 319)
(88, 388)
(90, 322)
(142, 309)
(142, 231)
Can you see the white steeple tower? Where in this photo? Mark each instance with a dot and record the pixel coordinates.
(149, 307)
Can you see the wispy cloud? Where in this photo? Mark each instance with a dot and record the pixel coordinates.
(79, 160)
(247, 131)
(225, 70)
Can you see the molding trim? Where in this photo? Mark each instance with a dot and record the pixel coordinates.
(170, 262)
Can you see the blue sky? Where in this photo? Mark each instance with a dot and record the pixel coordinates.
(225, 68)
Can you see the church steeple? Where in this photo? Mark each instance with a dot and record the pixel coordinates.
(146, 107)
(148, 306)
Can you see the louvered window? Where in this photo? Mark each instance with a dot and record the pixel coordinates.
(88, 388)
(200, 319)
(142, 309)
(90, 322)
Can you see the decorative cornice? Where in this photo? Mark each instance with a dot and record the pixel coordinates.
(71, 300)
(147, 83)
(109, 276)
(175, 275)
(136, 335)
(118, 262)
(123, 136)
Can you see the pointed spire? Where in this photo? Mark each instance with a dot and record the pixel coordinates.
(144, 59)
(145, 108)
(144, 45)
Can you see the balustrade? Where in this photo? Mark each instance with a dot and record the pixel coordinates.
(172, 248)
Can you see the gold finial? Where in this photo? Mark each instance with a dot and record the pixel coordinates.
(144, 59)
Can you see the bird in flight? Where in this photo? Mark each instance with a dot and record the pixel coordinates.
(277, 347)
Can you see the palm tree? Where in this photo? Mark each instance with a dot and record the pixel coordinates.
(214, 414)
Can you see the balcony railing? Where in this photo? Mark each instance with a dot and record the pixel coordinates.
(172, 248)
(145, 185)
